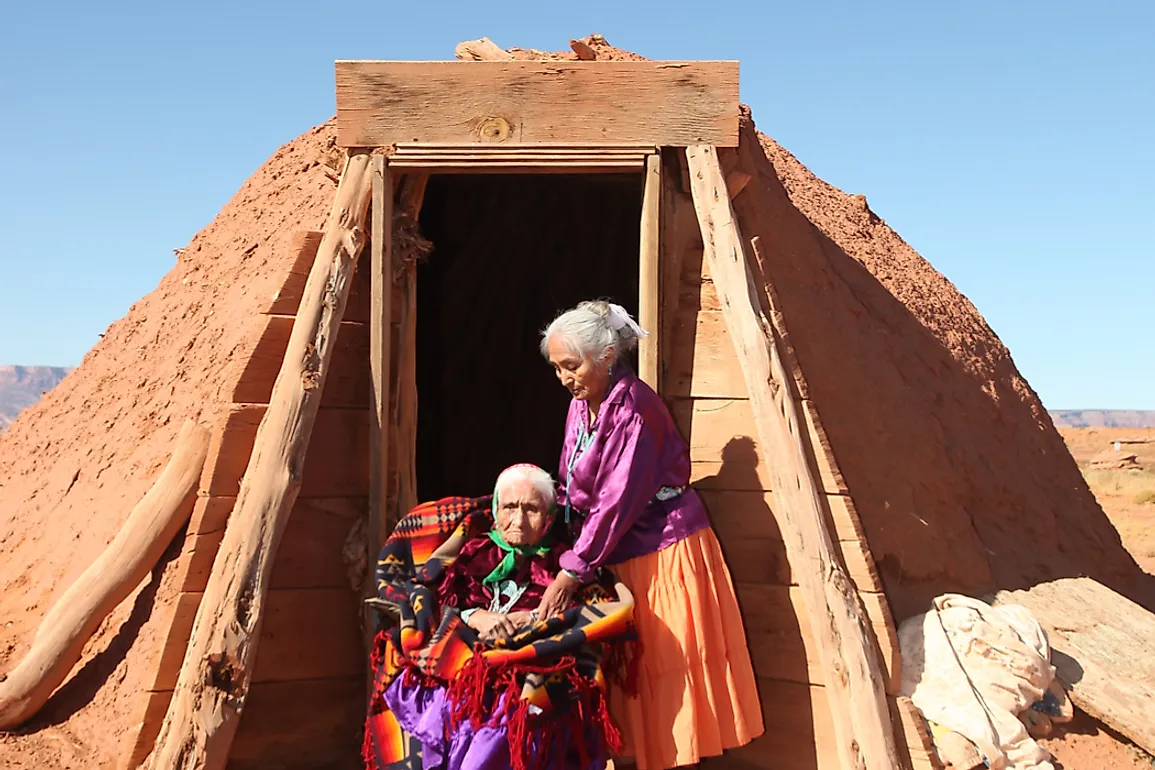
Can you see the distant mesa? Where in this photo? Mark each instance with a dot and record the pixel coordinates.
(22, 386)
(1103, 418)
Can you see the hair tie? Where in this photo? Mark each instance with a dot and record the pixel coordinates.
(619, 319)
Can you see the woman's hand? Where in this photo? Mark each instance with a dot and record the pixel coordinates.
(557, 596)
(521, 619)
(491, 625)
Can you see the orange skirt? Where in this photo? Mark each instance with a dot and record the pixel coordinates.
(696, 689)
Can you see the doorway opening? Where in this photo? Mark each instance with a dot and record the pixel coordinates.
(509, 253)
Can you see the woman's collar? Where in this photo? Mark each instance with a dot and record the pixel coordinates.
(620, 382)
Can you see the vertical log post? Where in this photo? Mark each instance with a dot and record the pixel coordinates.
(218, 664)
(404, 436)
(380, 356)
(380, 351)
(853, 670)
(649, 293)
(406, 442)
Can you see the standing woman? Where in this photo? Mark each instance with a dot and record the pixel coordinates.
(625, 472)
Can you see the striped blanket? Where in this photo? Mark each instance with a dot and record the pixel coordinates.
(546, 682)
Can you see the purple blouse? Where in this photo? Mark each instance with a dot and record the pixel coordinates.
(635, 450)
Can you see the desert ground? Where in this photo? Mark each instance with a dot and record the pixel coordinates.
(1125, 487)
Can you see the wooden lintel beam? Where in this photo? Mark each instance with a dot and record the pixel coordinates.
(643, 102)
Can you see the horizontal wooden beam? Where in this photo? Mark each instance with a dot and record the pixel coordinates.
(522, 167)
(513, 102)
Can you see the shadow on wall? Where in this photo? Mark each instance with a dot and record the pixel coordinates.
(761, 574)
(960, 479)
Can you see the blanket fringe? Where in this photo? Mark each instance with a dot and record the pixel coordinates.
(487, 695)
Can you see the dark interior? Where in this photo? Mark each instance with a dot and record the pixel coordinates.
(509, 253)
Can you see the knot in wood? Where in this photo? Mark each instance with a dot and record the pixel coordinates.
(493, 129)
(224, 674)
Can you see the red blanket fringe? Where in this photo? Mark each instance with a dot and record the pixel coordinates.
(479, 684)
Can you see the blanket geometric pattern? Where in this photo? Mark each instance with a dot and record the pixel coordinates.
(555, 665)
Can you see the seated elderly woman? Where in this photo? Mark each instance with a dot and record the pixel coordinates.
(470, 677)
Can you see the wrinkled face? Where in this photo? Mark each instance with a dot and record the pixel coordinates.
(585, 378)
(522, 514)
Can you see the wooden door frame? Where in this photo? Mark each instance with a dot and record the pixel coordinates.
(417, 159)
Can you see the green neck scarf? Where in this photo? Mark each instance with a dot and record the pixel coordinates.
(508, 564)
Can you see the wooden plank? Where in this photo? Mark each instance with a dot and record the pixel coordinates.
(724, 453)
(512, 156)
(347, 385)
(197, 558)
(336, 465)
(210, 514)
(832, 479)
(312, 548)
(520, 168)
(380, 352)
(741, 514)
(913, 735)
(1103, 650)
(301, 724)
(702, 363)
(649, 272)
(757, 560)
(782, 644)
(799, 732)
(521, 148)
(288, 298)
(172, 653)
(404, 437)
(310, 553)
(650, 102)
(679, 234)
(155, 707)
(853, 670)
(746, 524)
(846, 522)
(302, 251)
(312, 633)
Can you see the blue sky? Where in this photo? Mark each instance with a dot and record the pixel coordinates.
(1010, 143)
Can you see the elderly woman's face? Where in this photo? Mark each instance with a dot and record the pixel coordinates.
(522, 514)
(584, 378)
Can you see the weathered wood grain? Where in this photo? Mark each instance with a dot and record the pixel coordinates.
(649, 273)
(1103, 650)
(659, 103)
(327, 473)
(301, 724)
(347, 386)
(781, 639)
(310, 633)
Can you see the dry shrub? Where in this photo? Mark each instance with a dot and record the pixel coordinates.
(1146, 497)
(1120, 483)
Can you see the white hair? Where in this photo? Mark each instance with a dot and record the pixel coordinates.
(540, 479)
(587, 331)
